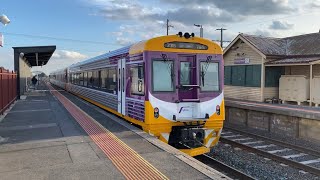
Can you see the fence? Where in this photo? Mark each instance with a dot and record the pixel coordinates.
(8, 88)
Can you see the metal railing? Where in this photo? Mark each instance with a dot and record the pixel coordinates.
(8, 88)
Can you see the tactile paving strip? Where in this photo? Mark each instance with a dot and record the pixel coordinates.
(129, 162)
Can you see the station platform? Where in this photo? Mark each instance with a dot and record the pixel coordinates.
(283, 109)
(52, 134)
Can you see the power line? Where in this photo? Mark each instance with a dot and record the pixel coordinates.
(61, 39)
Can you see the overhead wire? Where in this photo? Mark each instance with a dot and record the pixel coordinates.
(59, 38)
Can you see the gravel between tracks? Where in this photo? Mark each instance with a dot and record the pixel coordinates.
(256, 166)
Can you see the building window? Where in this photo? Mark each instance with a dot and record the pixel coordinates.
(253, 76)
(273, 75)
(209, 76)
(227, 75)
(238, 75)
(162, 76)
(243, 75)
(137, 80)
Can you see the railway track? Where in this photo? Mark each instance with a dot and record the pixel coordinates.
(222, 167)
(296, 156)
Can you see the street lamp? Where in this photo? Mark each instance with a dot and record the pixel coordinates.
(4, 19)
(201, 29)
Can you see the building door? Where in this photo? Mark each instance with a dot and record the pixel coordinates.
(122, 86)
(187, 79)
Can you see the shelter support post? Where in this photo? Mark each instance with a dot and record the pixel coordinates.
(311, 85)
(263, 74)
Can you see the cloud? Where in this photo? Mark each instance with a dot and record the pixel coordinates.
(200, 15)
(59, 60)
(124, 10)
(263, 33)
(64, 54)
(6, 59)
(243, 7)
(313, 5)
(281, 25)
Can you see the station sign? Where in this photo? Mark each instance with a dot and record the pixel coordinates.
(185, 45)
(242, 61)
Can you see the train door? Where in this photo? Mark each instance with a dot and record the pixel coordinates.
(187, 79)
(122, 86)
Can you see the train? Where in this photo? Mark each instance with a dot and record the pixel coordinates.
(170, 86)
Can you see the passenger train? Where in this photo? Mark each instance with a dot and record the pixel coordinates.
(170, 86)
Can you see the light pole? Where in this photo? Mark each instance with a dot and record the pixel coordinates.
(201, 29)
(4, 19)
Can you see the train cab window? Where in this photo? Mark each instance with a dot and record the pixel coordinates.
(137, 80)
(163, 75)
(209, 76)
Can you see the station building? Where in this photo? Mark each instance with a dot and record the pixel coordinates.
(261, 68)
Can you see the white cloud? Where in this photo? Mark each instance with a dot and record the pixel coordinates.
(6, 59)
(281, 25)
(59, 60)
(64, 54)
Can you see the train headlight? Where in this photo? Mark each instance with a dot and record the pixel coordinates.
(218, 110)
(156, 112)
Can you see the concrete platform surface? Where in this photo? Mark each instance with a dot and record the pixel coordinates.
(39, 139)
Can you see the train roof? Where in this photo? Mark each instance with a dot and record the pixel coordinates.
(157, 44)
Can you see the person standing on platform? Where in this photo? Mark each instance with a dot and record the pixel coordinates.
(34, 80)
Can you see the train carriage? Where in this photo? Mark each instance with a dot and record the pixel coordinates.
(171, 86)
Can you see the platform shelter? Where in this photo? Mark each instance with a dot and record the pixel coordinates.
(27, 57)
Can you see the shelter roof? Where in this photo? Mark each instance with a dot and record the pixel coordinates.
(36, 55)
(295, 60)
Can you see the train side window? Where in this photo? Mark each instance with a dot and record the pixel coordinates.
(137, 80)
(104, 77)
(112, 85)
(85, 78)
(109, 80)
(90, 79)
(78, 78)
(81, 79)
(163, 76)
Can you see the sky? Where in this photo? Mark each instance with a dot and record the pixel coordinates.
(82, 29)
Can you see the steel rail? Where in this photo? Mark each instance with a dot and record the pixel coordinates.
(289, 162)
(223, 168)
(277, 142)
